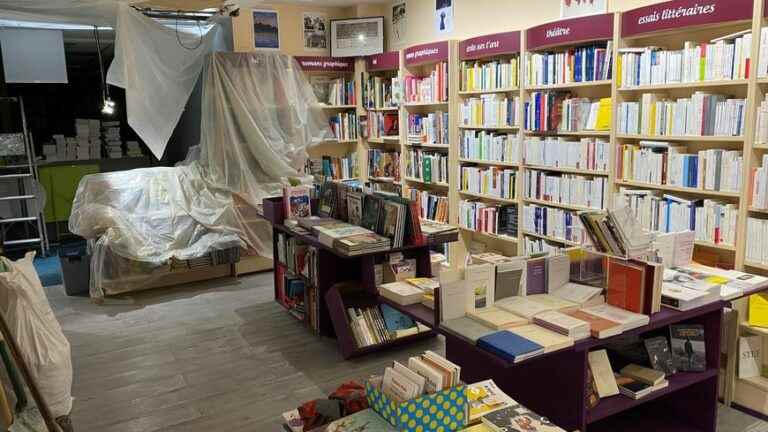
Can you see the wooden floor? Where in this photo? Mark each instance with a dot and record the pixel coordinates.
(216, 356)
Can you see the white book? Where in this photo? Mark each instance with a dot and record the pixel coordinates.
(578, 293)
(523, 306)
(628, 320)
(563, 324)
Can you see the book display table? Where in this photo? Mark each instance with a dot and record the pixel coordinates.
(332, 268)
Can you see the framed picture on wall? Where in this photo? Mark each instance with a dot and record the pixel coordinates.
(314, 28)
(357, 36)
(266, 30)
(577, 8)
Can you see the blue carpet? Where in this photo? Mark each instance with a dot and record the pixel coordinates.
(49, 269)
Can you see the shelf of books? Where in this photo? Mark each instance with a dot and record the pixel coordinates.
(488, 145)
(684, 123)
(333, 82)
(566, 109)
(382, 97)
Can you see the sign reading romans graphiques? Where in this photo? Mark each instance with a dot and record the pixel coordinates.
(323, 64)
(426, 53)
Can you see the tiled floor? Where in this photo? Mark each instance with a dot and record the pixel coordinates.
(216, 356)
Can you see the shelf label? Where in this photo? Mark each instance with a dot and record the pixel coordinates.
(677, 14)
(426, 53)
(570, 31)
(385, 61)
(325, 64)
(490, 45)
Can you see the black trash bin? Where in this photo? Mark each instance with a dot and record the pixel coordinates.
(75, 267)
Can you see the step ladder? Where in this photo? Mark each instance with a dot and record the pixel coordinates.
(25, 228)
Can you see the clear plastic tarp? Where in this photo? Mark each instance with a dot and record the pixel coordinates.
(259, 117)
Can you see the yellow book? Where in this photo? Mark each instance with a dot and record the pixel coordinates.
(758, 310)
(604, 114)
(618, 68)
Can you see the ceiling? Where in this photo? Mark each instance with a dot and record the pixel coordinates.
(330, 3)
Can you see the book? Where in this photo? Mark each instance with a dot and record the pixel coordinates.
(580, 294)
(395, 320)
(599, 328)
(355, 208)
(522, 306)
(412, 376)
(551, 341)
(642, 374)
(536, 276)
(480, 280)
(297, 202)
(563, 324)
(367, 420)
(750, 356)
(628, 320)
(398, 387)
(626, 289)
(633, 388)
(681, 298)
(510, 346)
(454, 295)
(424, 284)
(401, 293)
(688, 345)
(485, 397)
(602, 372)
(371, 211)
(660, 355)
(758, 310)
(328, 234)
(467, 328)
(517, 418)
(496, 318)
(554, 302)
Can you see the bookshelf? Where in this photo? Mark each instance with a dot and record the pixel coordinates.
(488, 69)
(321, 71)
(672, 34)
(332, 267)
(563, 40)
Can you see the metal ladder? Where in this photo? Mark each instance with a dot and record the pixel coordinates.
(20, 171)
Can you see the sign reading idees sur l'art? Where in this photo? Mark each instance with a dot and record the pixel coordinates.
(490, 45)
(570, 31)
(325, 64)
(384, 61)
(426, 53)
(676, 14)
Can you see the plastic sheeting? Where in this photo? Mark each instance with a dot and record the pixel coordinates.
(259, 116)
(158, 67)
(43, 345)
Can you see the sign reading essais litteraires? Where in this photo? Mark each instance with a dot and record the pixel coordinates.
(384, 61)
(325, 64)
(489, 45)
(683, 13)
(431, 52)
(596, 27)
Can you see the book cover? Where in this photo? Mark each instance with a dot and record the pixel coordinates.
(467, 329)
(510, 346)
(362, 421)
(688, 346)
(660, 355)
(355, 207)
(602, 373)
(297, 202)
(750, 356)
(394, 319)
(480, 279)
(327, 205)
(517, 418)
(485, 397)
(643, 374)
(536, 276)
(625, 285)
(371, 210)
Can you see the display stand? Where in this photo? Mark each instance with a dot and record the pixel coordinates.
(332, 68)
(333, 268)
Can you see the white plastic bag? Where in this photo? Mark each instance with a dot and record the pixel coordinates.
(38, 334)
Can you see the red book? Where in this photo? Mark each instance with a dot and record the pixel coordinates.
(418, 238)
(626, 285)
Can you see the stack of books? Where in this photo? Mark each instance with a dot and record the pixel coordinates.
(426, 166)
(488, 218)
(429, 129)
(490, 181)
(557, 152)
(430, 88)
(492, 110)
(497, 74)
(344, 126)
(571, 189)
(379, 92)
(433, 207)
(558, 112)
(384, 165)
(383, 124)
(615, 232)
(489, 146)
(582, 64)
(435, 232)
(379, 324)
(560, 224)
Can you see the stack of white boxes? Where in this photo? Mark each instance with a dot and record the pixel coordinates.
(88, 139)
(134, 150)
(112, 137)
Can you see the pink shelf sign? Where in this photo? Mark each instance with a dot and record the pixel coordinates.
(325, 64)
(490, 45)
(678, 14)
(426, 53)
(384, 61)
(570, 31)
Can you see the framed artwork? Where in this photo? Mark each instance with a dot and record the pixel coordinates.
(577, 8)
(315, 31)
(266, 31)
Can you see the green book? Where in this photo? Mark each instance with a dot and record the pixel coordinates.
(426, 170)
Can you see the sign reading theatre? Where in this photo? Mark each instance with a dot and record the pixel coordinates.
(683, 13)
(570, 31)
(490, 45)
(326, 64)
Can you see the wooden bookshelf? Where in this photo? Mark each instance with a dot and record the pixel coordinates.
(569, 86)
(385, 66)
(489, 162)
(686, 85)
(691, 138)
(567, 170)
(489, 128)
(489, 91)
(687, 190)
(488, 197)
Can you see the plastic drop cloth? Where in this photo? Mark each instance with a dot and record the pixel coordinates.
(43, 346)
(259, 117)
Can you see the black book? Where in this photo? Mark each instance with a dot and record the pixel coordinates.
(660, 355)
(688, 345)
(327, 206)
(371, 209)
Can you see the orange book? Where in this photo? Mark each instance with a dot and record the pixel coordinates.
(599, 328)
(626, 282)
